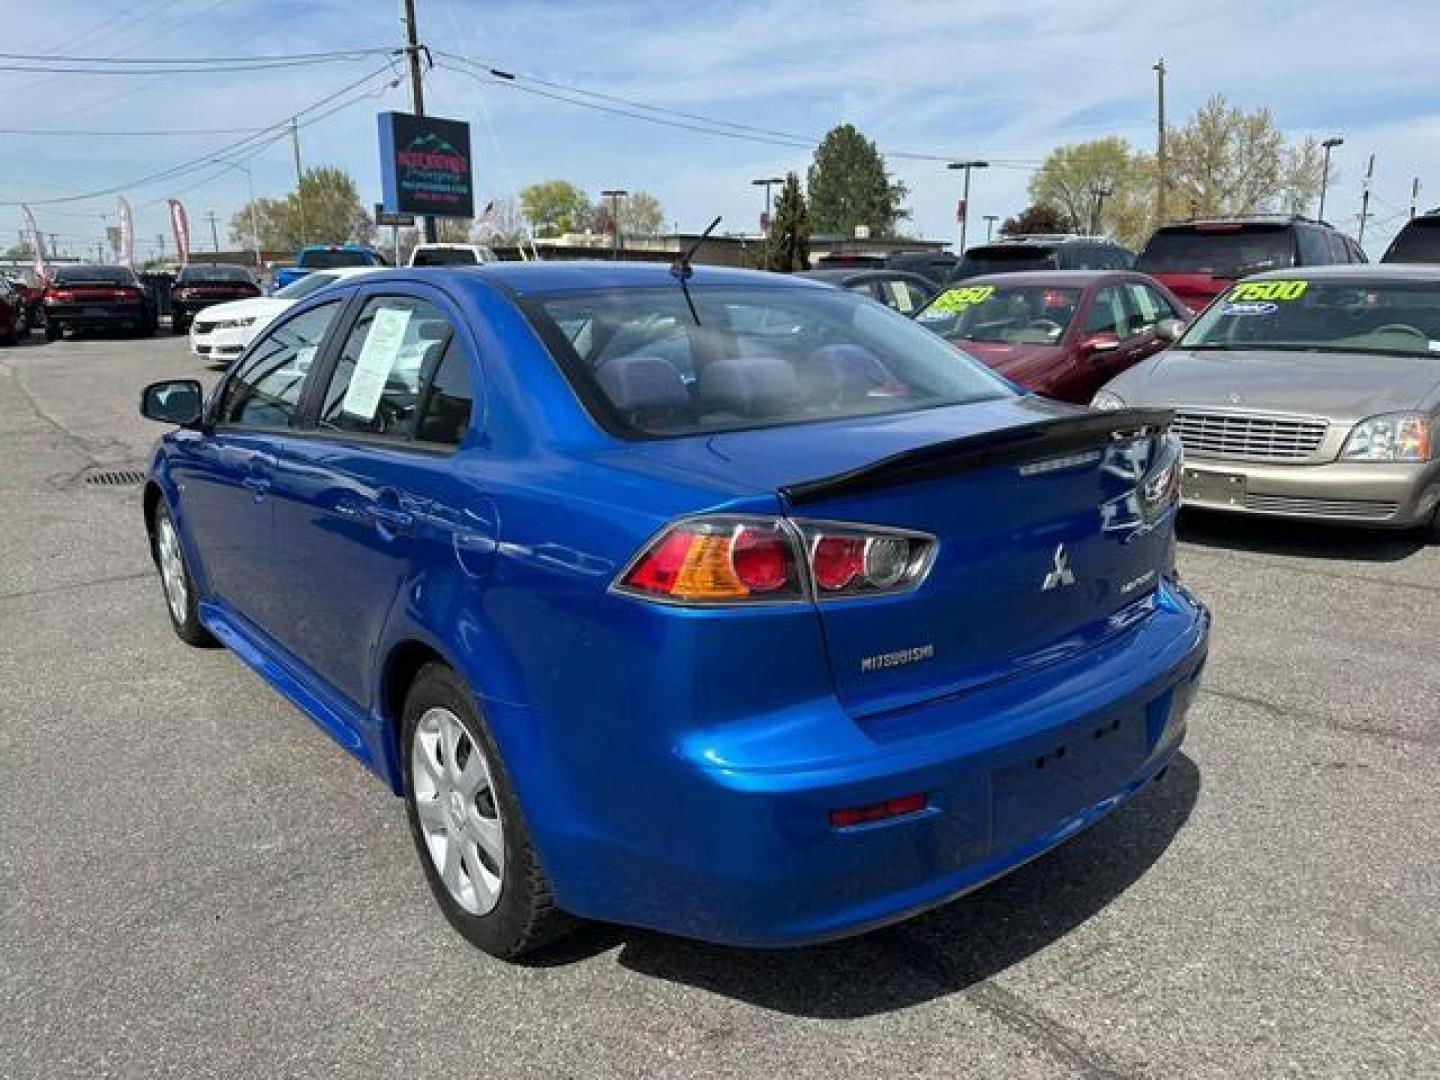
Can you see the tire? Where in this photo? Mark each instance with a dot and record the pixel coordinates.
(1431, 532)
(53, 330)
(176, 583)
(178, 324)
(10, 337)
(503, 905)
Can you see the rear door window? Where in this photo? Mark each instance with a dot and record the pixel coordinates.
(390, 356)
(1312, 246)
(264, 391)
(1149, 306)
(1107, 313)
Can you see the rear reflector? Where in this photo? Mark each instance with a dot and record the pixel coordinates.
(890, 808)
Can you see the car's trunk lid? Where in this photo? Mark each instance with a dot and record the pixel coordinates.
(1041, 553)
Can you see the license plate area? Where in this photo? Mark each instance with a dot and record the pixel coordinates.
(1204, 486)
(1091, 763)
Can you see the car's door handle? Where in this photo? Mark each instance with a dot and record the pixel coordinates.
(393, 519)
(257, 484)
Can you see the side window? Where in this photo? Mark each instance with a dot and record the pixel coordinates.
(1107, 314)
(1117, 258)
(1312, 246)
(1149, 306)
(389, 357)
(447, 401)
(902, 296)
(265, 390)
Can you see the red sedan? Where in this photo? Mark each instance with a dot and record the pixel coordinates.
(1061, 333)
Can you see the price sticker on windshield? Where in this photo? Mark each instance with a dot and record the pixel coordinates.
(960, 299)
(1261, 291)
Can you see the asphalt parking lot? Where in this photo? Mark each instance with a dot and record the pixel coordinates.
(197, 882)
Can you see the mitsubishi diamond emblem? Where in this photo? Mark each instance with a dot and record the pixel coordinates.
(1062, 574)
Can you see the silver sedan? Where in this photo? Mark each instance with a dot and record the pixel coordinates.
(1308, 393)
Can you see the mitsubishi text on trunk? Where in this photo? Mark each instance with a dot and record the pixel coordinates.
(710, 601)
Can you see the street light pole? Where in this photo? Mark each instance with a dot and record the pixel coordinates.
(1328, 145)
(767, 183)
(250, 187)
(990, 220)
(965, 198)
(614, 195)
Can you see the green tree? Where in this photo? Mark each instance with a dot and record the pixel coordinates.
(848, 186)
(787, 247)
(1098, 187)
(554, 206)
(1037, 218)
(1226, 161)
(327, 204)
(272, 220)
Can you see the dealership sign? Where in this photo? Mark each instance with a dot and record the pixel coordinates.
(425, 165)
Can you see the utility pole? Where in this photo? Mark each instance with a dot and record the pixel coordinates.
(1414, 195)
(964, 209)
(299, 176)
(417, 95)
(214, 236)
(1100, 192)
(1328, 145)
(614, 195)
(1365, 200)
(1162, 178)
(990, 220)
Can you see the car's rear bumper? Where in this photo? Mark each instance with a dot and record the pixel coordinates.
(1367, 493)
(93, 317)
(745, 853)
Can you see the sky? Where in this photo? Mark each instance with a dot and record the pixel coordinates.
(999, 80)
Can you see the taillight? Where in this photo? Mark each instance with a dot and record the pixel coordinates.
(58, 296)
(719, 559)
(727, 559)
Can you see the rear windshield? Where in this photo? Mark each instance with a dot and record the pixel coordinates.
(1227, 252)
(1418, 242)
(748, 357)
(1006, 259)
(444, 257)
(232, 274)
(323, 260)
(1008, 314)
(1304, 315)
(95, 275)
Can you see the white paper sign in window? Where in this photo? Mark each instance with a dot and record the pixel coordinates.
(376, 361)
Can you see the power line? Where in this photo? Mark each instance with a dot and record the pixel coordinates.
(658, 114)
(330, 54)
(204, 160)
(61, 133)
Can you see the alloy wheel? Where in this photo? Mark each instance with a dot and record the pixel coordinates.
(172, 570)
(459, 815)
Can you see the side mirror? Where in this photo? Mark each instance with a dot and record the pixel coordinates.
(1097, 344)
(174, 401)
(1169, 329)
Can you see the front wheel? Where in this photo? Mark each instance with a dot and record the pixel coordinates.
(467, 826)
(175, 579)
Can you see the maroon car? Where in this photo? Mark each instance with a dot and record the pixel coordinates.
(1061, 333)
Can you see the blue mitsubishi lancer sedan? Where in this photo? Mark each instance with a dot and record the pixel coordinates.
(717, 602)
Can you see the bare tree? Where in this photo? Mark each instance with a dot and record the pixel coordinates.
(1226, 161)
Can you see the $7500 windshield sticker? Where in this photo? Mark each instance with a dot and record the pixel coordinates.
(1260, 297)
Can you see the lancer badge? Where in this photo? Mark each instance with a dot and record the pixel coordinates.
(1062, 574)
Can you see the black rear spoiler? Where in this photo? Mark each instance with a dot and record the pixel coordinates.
(1026, 442)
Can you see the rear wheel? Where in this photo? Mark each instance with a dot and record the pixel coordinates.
(467, 826)
(53, 330)
(175, 579)
(178, 323)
